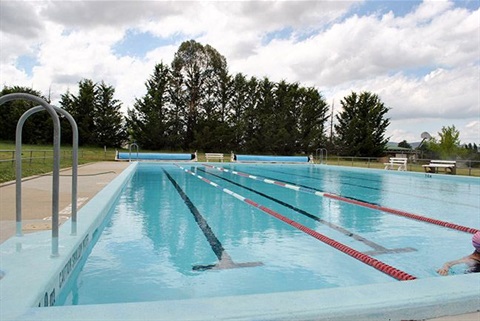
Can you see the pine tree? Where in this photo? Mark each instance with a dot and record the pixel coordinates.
(148, 121)
(236, 117)
(199, 74)
(361, 125)
(108, 119)
(37, 129)
(82, 109)
(250, 122)
(97, 114)
(313, 113)
(265, 131)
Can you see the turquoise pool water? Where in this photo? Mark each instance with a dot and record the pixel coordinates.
(171, 235)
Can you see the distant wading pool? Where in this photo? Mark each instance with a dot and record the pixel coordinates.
(275, 241)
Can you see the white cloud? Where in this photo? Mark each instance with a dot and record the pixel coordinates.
(441, 93)
(11, 75)
(428, 10)
(20, 19)
(424, 64)
(471, 131)
(91, 14)
(398, 135)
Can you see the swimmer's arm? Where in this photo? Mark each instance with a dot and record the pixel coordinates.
(446, 267)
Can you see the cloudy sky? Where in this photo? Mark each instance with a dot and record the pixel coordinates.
(421, 57)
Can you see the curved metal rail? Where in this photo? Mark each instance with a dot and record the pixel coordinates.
(321, 155)
(18, 148)
(130, 151)
(56, 166)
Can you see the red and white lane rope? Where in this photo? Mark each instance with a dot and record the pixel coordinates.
(352, 201)
(382, 267)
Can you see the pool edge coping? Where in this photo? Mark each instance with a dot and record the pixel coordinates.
(402, 300)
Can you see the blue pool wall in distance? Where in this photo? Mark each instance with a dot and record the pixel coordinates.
(155, 156)
(273, 159)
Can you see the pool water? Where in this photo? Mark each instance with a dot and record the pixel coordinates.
(171, 235)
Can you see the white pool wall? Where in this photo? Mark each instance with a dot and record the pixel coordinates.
(402, 300)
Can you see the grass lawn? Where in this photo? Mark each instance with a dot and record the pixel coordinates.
(38, 159)
(462, 168)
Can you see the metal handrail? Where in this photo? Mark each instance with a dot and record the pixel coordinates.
(73, 124)
(56, 167)
(319, 152)
(130, 151)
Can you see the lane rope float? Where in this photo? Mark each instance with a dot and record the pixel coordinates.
(377, 248)
(321, 179)
(351, 201)
(379, 265)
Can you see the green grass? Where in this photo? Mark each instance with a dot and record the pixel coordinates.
(38, 159)
(374, 163)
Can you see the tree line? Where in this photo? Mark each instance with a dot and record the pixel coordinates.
(196, 104)
(448, 146)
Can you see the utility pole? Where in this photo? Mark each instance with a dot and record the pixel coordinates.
(331, 121)
(49, 99)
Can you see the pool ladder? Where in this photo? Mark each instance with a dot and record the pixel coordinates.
(52, 110)
(134, 145)
(321, 155)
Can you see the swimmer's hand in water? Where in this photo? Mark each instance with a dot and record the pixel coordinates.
(443, 270)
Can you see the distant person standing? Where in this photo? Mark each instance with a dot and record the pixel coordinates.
(472, 260)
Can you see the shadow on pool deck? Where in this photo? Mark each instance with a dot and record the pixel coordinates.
(37, 200)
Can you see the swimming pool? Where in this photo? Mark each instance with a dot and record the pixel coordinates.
(188, 236)
(172, 235)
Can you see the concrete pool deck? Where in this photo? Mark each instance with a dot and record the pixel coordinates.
(92, 178)
(37, 199)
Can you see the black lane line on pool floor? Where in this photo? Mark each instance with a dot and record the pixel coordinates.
(376, 264)
(224, 259)
(365, 187)
(378, 249)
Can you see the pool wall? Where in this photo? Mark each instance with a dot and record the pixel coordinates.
(32, 278)
(405, 300)
(270, 159)
(156, 156)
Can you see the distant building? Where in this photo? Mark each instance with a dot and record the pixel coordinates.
(395, 151)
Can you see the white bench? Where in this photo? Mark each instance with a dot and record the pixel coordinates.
(396, 161)
(211, 156)
(449, 166)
